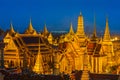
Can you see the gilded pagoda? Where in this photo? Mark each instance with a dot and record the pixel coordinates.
(42, 53)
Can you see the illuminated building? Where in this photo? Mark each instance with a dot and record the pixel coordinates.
(21, 49)
(65, 54)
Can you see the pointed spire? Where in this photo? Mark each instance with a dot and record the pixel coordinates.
(80, 13)
(45, 29)
(38, 68)
(107, 32)
(71, 29)
(30, 27)
(94, 31)
(11, 28)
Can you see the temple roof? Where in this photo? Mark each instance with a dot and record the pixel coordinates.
(90, 48)
(97, 51)
(94, 49)
(32, 44)
(30, 29)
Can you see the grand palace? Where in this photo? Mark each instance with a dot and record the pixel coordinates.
(43, 53)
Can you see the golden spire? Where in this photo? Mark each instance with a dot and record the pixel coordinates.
(11, 28)
(107, 32)
(94, 31)
(71, 29)
(80, 28)
(30, 27)
(38, 68)
(45, 30)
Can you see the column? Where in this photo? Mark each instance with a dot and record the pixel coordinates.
(96, 64)
(92, 67)
(100, 64)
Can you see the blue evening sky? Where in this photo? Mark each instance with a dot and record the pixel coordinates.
(58, 14)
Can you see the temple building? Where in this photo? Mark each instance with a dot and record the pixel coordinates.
(42, 53)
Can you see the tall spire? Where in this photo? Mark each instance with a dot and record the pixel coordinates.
(107, 32)
(11, 28)
(80, 27)
(30, 27)
(94, 31)
(45, 29)
(38, 68)
(71, 29)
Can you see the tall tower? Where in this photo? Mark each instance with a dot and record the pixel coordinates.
(80, 28)
(106, 33)
(107, 45)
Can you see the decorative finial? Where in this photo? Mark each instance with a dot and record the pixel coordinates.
(107, 19)
(80, 13)
(71, 29)
(45, 29)
(94, 26)
(30, 27)
(45, 24)
(30, 20)
(11, 27)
